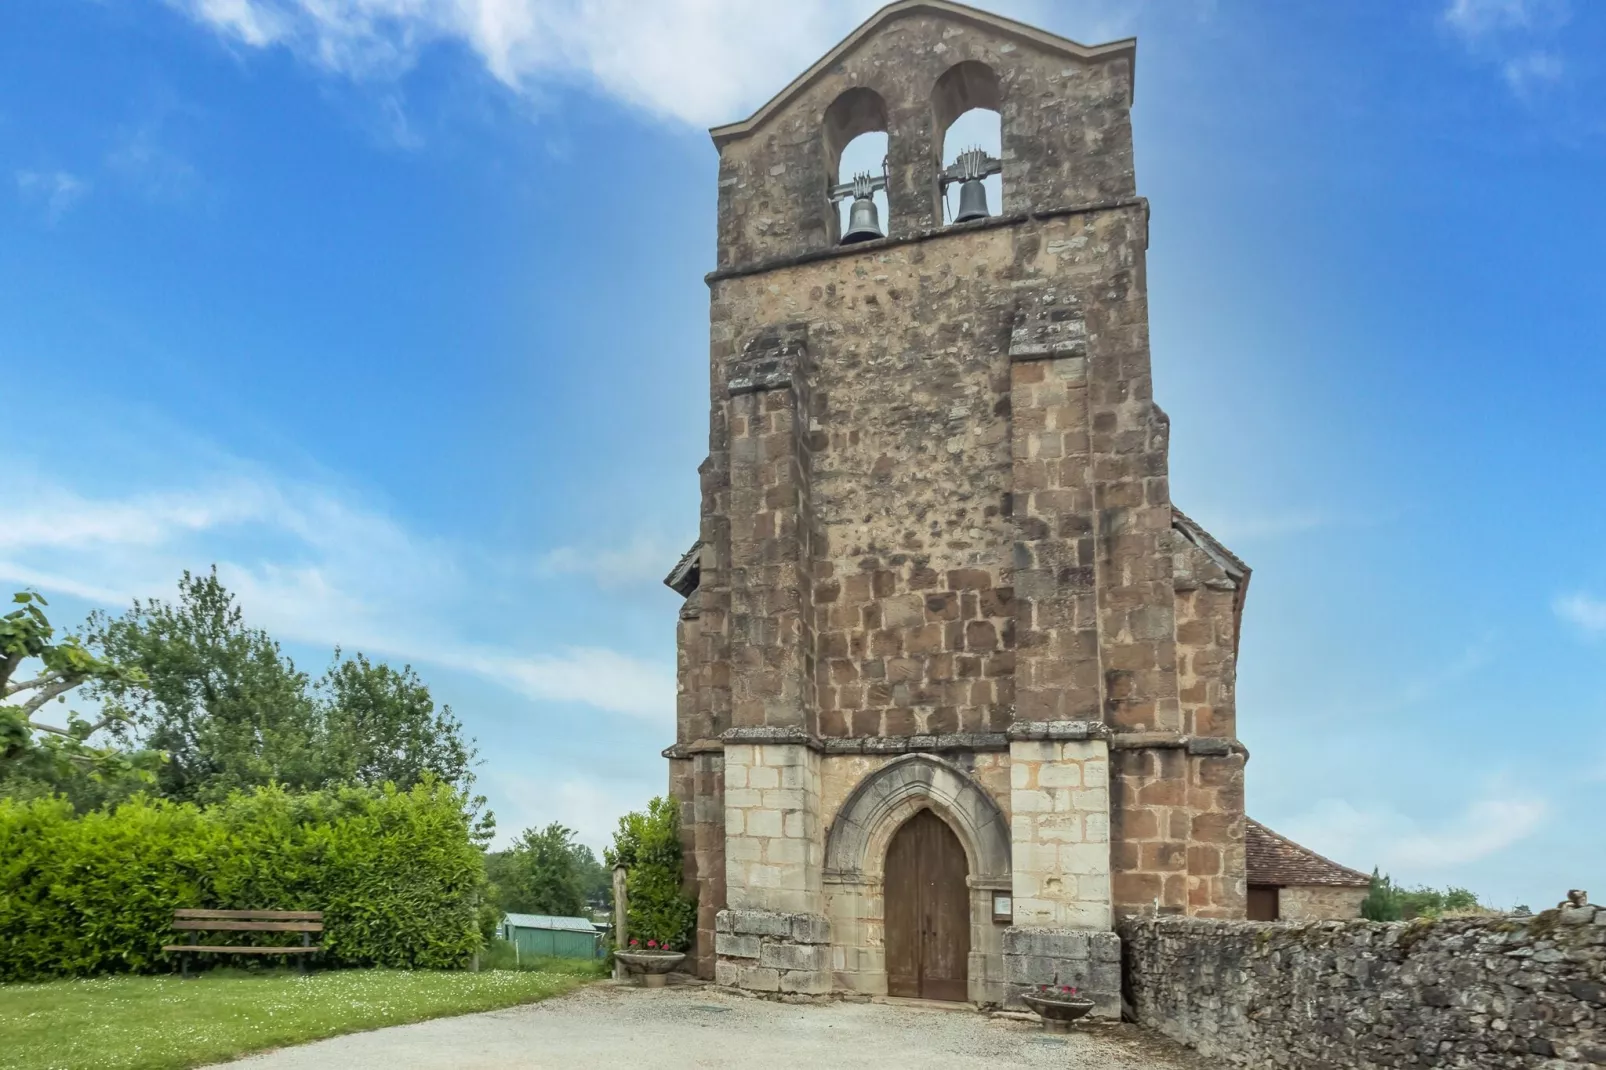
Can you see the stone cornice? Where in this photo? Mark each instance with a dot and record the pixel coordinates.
(758, 267)
(960, 742)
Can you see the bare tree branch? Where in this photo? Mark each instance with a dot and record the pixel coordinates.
(38, 681)
(48, 692)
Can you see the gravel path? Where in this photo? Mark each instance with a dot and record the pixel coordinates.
(607, 1026)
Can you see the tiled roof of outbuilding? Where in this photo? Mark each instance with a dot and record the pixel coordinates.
(1274, 859)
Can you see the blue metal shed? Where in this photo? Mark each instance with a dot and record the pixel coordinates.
(544, 934)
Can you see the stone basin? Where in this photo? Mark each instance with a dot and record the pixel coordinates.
(651, 965)
(1058, 1013)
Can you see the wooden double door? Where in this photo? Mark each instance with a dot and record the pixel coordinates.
(927, 911)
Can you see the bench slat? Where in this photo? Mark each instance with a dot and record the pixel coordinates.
(204, 925)
(253, 915)
(243, 950)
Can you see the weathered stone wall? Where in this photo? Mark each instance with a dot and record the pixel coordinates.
(1061, 833)
(914, 609)
(1086, 959)
(772, 951)
(1318, 902)
(1177, 817)
(1207, 626)
(773, 839)
(1456, 993)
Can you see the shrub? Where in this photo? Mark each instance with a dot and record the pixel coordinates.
(395, 872)
(649, 845)
(1386, 901)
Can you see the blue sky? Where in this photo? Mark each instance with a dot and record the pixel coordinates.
(394, 310)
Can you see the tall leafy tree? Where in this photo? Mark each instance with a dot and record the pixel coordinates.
(223, 700)
(382, 725)
(232, 711)
(545, 872)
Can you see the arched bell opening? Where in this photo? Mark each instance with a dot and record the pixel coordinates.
(966, 111)
(855, 142)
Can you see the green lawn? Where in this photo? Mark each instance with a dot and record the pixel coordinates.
(168, 1022)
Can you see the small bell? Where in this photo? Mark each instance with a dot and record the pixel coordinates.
(972, 201)
(864, 223)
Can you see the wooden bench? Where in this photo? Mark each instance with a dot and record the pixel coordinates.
(305, 922)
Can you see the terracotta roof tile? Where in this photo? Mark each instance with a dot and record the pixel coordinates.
(1274, 859)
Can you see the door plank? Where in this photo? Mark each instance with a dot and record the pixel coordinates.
(901, 911)
(945, 903)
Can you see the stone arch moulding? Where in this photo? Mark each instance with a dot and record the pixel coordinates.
(855, 847)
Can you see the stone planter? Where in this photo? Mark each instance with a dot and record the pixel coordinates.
(1058, 1013)
(651, 965)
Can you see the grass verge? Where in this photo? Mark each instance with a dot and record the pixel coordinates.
(166, 1023)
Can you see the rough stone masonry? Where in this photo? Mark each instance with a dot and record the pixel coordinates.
(1495, 991)
(939, 566)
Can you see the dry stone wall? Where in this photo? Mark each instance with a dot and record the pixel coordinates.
(1458, 993)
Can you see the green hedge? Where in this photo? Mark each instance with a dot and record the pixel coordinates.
(396, 874)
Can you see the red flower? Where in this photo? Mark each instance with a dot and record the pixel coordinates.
(635, 943)
(652, 943)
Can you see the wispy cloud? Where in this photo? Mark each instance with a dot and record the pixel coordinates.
(644, 559)
(695, 61)
(1480, 18)
(309, 566)
(58, 191)
(1419, 689)
(586, 803)
(1514, 36)
(1233, 525)
(1584, 611)
(1249, 527)
(1405, 844)
(141, 158)
(1529, 72)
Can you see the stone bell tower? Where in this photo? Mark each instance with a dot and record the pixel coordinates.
(955, 675)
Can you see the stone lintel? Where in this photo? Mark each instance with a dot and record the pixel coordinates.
(1058, 730)
(761, 734)
(1048, 325)
(954, 741)
(771, 360)
(1199, 746)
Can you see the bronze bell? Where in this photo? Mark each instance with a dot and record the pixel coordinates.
(864, 223)
(972, 201)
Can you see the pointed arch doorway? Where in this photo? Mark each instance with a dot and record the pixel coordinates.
(927, 904)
